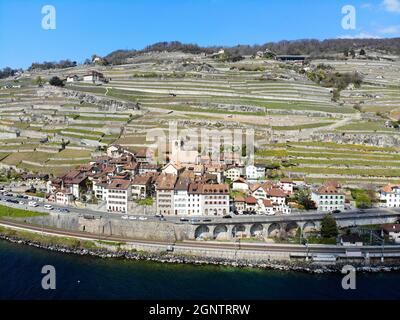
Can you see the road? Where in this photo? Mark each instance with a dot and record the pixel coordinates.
(295, 216)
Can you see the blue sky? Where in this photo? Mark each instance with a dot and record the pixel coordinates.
(85, 27)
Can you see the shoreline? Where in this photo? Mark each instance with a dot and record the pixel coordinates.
(305, 267)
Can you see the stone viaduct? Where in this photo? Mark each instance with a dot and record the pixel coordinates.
(269, 227)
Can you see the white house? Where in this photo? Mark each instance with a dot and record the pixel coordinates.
(351, 240)
(215, 199)
(99, 190)
(208, 199)
(115, 151)
(241, 185)
(390, 196)
(233, 173)
(328, 198)
(117, 196)
(239, 204)
(64, 197)
(181, 197)
(72, 78)
(265, 207)
(94, 77)
(172, 168)
(251, 203)
(286, 185)
(277, 196)
(255, 172)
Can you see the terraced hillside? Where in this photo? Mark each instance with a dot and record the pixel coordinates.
(300, 129)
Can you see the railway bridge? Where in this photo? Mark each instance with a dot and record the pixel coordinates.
(272, 226)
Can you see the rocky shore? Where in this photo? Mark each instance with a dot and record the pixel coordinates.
(167, 257)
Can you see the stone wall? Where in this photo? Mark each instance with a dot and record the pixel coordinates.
(83, 97)
(373, 139)
(145, 230)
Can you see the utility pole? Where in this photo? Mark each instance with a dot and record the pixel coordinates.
(307, 249)
(301, 234)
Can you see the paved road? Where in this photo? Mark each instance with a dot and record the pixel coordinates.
(295, 216)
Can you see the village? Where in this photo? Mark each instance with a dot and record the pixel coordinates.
(122, 182)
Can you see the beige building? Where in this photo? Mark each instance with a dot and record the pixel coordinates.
(165, 184)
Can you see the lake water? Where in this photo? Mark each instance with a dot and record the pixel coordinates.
(92, 278)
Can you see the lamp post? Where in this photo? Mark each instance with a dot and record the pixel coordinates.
(383, 247)
(307, 249)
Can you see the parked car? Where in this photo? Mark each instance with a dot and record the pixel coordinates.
(227, 217)
(132, 218)
(142, 218)
(184, 219)
(125, 217)
(48, 207)
(33, 204)
(336, 211)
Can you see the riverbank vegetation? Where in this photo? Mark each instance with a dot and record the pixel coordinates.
(18, 213)
(48, 240)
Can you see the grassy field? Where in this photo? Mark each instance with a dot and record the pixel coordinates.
(17, 213)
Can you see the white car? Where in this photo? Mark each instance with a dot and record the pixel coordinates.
(21, 202)
(48, 207)
(124, 217)
(142, 218)
(132, 218)
(33, 204)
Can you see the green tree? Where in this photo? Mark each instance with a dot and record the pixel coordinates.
(329, 227)
(56, 81)
(363, 201)
(302, 197)
(363, 198)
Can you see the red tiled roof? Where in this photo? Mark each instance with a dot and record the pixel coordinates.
(141, 180)
(275, 192)
(205, 188)
(328, 190)
(267, 203)
(389, 188)
(166, 181)
(251, 200)
(119, 184)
